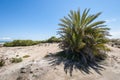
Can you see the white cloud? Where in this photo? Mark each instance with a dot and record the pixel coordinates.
(115, 34)
(5, 38)
(111, 20)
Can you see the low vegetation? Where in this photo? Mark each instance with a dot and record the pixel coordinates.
(14, 43)
(115, 43)
(26, 56)
(2, 62)
(16, 60)
(21, 43)
(52, 39)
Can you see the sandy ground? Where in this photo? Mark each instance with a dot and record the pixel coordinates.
(36, 67)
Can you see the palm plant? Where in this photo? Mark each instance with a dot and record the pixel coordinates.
(83, 38)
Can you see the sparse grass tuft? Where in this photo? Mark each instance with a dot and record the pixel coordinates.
(26, 56)
(16, 60)
(2, 62)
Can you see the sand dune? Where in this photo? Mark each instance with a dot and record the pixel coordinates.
(36, 67)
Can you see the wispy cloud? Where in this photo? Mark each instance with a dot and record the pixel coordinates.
(115, 34)
(5, 38)
(111, 20)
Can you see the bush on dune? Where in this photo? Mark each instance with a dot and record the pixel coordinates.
(8, 44)
(115, 43)
(53, 39)
(21, 43)
(14, 43)
(2, 62)
(26, 56)
(16, 60)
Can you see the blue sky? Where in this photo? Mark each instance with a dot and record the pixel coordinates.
(38, 19)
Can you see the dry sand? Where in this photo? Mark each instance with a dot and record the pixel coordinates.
(36, 67)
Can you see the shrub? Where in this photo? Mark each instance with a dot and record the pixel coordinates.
(26, 56)
(115, 43)
(21, 43)
(52, 39)
(36, 42)
(83, 38)
(16, 60)
(43, 41)
(8, 44)
(2, 62)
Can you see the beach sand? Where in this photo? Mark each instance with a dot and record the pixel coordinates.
(36, 67)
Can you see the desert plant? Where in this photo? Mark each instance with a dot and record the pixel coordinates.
(21, 43)
(8, 44)
(83, 37)
(2, 62)
(16, 60)
(26, 56)
(53, 39)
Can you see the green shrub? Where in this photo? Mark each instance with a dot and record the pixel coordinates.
(26, 56)
(36, 42)
(115, 41)
(21, 43)
(43, 41)
(2, 62)
(52, 39)
(8, 44)
(16, 60)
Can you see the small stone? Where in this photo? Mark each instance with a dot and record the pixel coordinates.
(23, 70)
(118, 62)
(17, 55)
(37, 69)
(31, 71)
(55, 68)
(19, 78)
